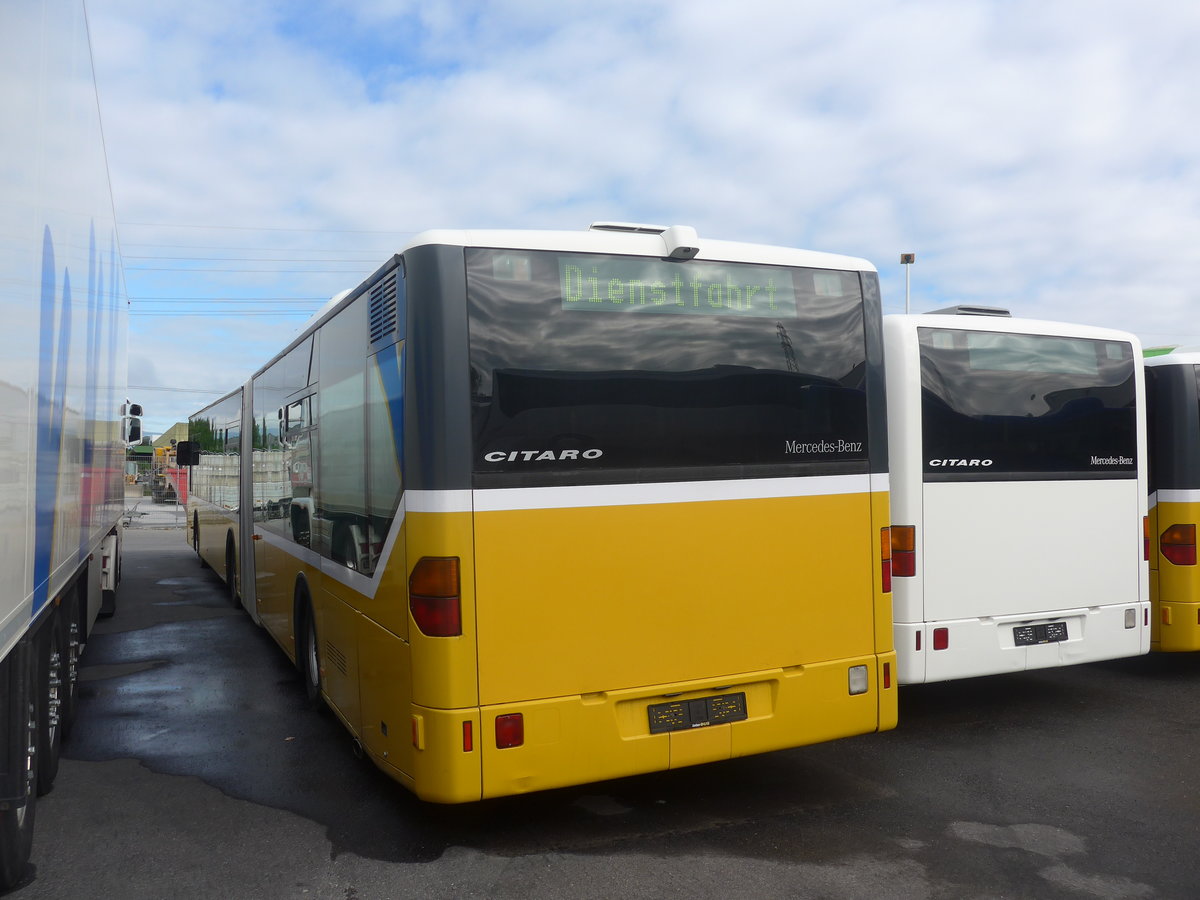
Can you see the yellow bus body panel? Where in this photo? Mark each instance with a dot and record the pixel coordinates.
(338, 635)
(277, 573)
(586, 616)
(385, 673)
(581, 600)
(1174, 590)
(444, 668)
(216, 525)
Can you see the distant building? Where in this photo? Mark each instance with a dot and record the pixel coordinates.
(174, 434)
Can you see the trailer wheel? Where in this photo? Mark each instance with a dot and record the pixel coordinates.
(16, 824)
(72, 636)
(51, 668)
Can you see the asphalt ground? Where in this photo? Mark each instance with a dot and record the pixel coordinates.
(196, 770)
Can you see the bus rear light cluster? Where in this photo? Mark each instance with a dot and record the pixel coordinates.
(435, 596)
(510, 730)
(904, 551)
(1178, 545)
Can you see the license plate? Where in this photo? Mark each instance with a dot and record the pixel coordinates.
(684, 714)
(1049, 633)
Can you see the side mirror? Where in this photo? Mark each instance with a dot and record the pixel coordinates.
(187, 453)
(133, 433)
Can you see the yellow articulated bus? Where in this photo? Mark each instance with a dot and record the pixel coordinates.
(213, 501)
(1173, 399)
(534, 509)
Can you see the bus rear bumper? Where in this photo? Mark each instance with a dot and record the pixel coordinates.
(597, 737)
(583, 739)
(994, 645)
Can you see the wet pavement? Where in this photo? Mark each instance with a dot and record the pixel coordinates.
(196, 769)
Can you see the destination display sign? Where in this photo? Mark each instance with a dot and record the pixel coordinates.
(634, 284)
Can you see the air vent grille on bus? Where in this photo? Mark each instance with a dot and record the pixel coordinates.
(334, 654)
(381, 314)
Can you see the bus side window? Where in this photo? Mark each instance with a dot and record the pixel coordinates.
(338, 425)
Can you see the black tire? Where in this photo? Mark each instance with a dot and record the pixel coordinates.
(196, 540)
(50, 670)
(16, 825)
(231, 572)
(308, 655)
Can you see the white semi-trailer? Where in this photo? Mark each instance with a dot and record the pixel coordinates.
(63, 421)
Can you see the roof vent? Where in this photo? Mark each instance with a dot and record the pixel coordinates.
(964, 309)
(628, 227)
(382, 312)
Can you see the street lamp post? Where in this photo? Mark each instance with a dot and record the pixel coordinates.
(906, 260)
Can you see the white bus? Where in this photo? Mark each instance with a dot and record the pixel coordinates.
(1018, 478)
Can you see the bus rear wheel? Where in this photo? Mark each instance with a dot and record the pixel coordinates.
(231, 572)
(196, 538)
(308, 654)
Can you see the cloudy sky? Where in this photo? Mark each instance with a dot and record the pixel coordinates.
(265, 154)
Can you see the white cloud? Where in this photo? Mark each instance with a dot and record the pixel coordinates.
(1037, 156)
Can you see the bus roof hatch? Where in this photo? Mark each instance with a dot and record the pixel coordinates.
(964, 309)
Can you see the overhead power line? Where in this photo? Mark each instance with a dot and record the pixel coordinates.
(249, 259)
(243, 248)
(173, 390)
(227, 314)
(256, 228)
(230, 299)
(237, 271)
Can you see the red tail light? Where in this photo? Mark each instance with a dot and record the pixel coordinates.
(468, 737)
(435, 597)
(1178, 545)
(887, 675)
(1145, 537)
(885, 556)
(904, 551)
(941, 638)
(510, 730)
